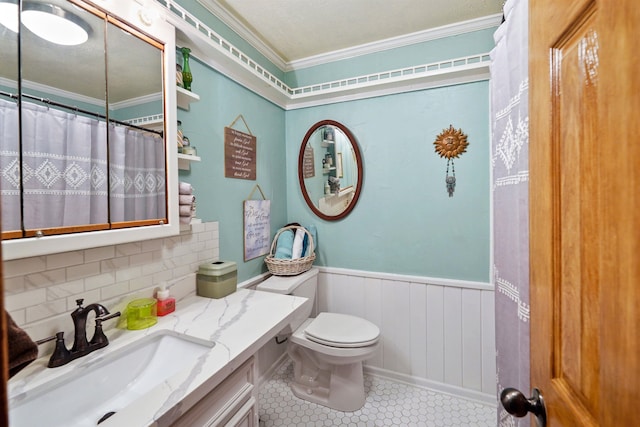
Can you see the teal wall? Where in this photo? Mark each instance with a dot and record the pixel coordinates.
(219, 198)
(405, 222)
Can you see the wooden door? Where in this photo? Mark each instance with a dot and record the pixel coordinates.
(585, 209)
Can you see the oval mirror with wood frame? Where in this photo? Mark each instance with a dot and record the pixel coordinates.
(330, 170)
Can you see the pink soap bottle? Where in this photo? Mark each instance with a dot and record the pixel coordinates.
(166, 304)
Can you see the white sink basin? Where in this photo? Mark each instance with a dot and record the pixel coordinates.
(109, 383)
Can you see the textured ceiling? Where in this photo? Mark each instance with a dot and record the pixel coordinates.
(299, 29)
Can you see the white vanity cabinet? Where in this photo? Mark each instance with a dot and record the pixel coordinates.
(233, 403)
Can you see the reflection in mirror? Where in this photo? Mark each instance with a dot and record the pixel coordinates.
(77, 173)
(9, 124)
(330, 170)
(64, 152)
(137, 159)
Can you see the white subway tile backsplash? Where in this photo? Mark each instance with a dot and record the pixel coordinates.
(20, 267)
(81, 271)
(141, 283)
(64, 259)
(141, 259)
(99, 280)
(112, 291)
(40, 292)
(45, 278)
(128, 249)
(65, 290)
(151, 245)
(25, 299)
(129, 273)
(48, 309)
(98, 254)
(114, 264)
(14, 285)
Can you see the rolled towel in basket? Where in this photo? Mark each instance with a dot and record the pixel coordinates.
(185, 188)
(284, 245)
(298, 242)
(306, 244)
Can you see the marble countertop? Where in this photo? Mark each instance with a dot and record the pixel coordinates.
(239, 324)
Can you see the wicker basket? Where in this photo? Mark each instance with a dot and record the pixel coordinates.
(289, 267)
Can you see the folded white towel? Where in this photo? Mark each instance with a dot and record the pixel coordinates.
(185, 220)
(185, 188)
(186, 210)
(187, 199)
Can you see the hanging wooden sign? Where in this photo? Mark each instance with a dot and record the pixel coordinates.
(257, 226)
(239, 154)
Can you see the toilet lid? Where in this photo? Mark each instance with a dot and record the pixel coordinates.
(342, 330)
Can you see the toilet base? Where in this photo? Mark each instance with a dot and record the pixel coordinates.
(339, 387)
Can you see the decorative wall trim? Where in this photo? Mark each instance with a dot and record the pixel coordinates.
(378, 46)
(466, 284)
(246, 34)
(218, 53)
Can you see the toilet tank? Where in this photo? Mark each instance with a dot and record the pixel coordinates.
(302, 285)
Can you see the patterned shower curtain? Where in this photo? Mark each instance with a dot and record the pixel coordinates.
(64, 179)
(510, 169)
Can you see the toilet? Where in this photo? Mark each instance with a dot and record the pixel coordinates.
(328, 350)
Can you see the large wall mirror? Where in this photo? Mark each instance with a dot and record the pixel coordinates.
(330, 170)
(72, 161)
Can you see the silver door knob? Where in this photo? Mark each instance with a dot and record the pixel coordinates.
(519, 406)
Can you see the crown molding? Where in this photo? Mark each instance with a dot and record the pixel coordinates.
(254, 40)
(228, 60)
(246, 34)
(456, 29)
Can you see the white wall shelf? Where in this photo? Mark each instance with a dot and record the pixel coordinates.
(184, 161)
(185, 98)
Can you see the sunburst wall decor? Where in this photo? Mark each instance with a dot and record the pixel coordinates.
(451, 143)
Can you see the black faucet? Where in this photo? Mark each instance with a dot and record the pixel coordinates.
(81, 346)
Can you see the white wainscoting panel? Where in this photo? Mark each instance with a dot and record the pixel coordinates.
(435, 332)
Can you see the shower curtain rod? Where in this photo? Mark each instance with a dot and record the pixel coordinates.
(78, 110)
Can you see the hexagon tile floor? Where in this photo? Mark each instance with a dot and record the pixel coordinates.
(388, 403)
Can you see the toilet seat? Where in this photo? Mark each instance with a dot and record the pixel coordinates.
(342, 331)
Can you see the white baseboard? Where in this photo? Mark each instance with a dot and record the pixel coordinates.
(464, 393)
(459, 392)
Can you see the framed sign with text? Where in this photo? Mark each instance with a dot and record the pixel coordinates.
(239, 154)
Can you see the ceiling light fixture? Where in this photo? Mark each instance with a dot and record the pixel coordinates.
(9, 14)
(55, 24)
